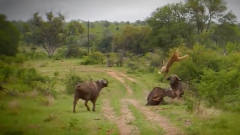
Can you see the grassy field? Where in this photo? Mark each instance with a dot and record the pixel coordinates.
(32, 113)
(36, 114)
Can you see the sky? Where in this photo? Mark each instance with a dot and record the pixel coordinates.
(92, 10)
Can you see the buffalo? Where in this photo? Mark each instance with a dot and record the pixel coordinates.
(176, 85)
(157, 94)
(88, 91)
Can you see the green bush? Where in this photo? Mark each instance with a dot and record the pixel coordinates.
(71, 51)
(141, 64)
(31, 52)
(200, 58)
(232, 47)
(75, 52)
(9, 37)
(155, 58)
(133, 66)
(213, 76)
(221, 88)
(93, 58)
(71, 81)
(223, 124)
(114, 59)
(5, 72)
(15, 78)
(38, 55)
(19, 59)
(47, 87)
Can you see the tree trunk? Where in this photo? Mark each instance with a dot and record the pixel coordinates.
(49, 49)
(209, 21)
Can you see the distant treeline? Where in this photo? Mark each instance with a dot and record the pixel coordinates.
(204, 22)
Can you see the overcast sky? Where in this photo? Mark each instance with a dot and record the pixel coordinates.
(112, 10)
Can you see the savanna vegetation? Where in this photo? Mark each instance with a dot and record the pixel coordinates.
(42, 59)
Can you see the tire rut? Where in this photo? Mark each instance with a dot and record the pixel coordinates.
(158, 119)
(162, 121)
(124, 121)
(121, 79)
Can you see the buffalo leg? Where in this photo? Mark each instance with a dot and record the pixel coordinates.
(86, 101)
(74, 104)
(178, 93)
(93, 102)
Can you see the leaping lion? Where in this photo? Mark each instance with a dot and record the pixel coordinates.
(175, 58)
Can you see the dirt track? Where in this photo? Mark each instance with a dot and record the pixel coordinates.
(126, 115)
(123, 121)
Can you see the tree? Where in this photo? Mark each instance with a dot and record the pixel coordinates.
(106, 24)
(215, 8)
(105, 45)
(9, 37)
(132, 38)
(73, 31)
(227, 31)
(25, 29)
(229, 18)
(170, 26)
(203, 12)
(50, 33)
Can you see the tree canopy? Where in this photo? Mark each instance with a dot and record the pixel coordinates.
(9, 37)
(50, 33)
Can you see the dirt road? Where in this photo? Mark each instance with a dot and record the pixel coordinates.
(126, 115)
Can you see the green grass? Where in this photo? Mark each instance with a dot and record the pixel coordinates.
(145, 127)
(225, 124)
(145, 83)
(31, 116)
(191, 123)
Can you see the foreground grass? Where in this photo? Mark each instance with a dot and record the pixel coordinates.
(144, 126)
(114, 91)
(209, 122)
(31, 115)
(35, 115)
(227, 123)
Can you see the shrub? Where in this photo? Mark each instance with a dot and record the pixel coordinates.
(31, 52)
(21, 79)
(222, 124)
(140, 64)
(232, 47)
(155, 58)
(71, 51)
(19, 59)
(28, 75)
(5, 72)
(114, 59)
(220, 88)
(47, 87)
(15, 78)
(75, 52)
(71, 81)
(200, 58)
(9, 37)
(94, 58)
(37, 55)
(133, 66)
(214, 77)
